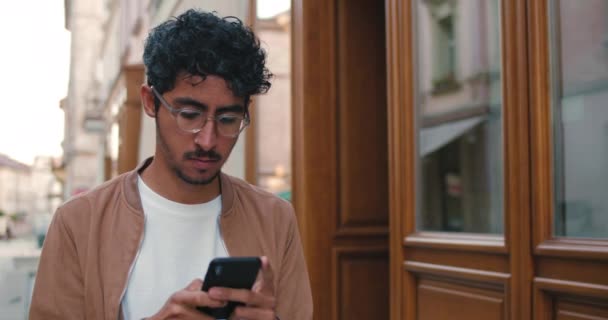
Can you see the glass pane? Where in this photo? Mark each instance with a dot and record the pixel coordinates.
(579, 59)
(459, 107)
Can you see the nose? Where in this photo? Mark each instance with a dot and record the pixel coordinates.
(207, 137)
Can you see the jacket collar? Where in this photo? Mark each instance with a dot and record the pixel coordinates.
(131, 191)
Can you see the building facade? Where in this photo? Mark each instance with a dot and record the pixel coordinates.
(84, 20)
(270, 138)
(15, 177)
(29, 194)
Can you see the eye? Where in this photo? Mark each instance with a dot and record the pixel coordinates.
(228, 119)
(189, 114)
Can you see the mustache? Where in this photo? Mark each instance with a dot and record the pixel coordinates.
(200, 153)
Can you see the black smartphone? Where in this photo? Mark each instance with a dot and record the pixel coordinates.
(230, 272)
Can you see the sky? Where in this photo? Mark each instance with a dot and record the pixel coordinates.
(269, 8)
(34, 65)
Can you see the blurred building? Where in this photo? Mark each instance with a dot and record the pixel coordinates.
(15, 181)
(29, 194)
(28, 189)
(45, 187)
(270, 132)
(84, 20)
(106, 131)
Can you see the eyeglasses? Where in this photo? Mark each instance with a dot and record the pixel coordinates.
(193, 120)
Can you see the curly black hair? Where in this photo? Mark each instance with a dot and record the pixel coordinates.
(201, 43)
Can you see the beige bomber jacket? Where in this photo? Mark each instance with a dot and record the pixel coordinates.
(94, 238)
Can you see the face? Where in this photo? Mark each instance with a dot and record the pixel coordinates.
(195, 158)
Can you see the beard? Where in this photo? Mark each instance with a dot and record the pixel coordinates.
(193, 181)
(198, 153)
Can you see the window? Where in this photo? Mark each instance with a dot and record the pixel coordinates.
(460, 138)
(579, 60)
(444, 46)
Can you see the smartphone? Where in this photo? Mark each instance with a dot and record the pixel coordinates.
(230, 272)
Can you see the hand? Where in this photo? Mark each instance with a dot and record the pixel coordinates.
(259, 301)
(182, 304)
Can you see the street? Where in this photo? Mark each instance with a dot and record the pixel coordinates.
(18, 261)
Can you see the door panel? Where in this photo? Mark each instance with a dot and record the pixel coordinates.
(570, 309)
(361, 100)
(360, 282)
(340, 154)
(471, 260)
(572, 269)
(458, 301)
(559, 299)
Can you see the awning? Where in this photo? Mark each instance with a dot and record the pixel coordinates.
(433, 138)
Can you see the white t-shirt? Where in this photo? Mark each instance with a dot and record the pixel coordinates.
(179, 242)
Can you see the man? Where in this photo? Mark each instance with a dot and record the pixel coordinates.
(137, 246)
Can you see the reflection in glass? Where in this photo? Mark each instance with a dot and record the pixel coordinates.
(579, 59)
(459, 116)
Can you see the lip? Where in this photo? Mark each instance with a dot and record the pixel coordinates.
(203, 163)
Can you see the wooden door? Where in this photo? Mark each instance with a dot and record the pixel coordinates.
(482, 160)
(340, 154)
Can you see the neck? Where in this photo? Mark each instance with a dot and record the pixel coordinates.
(160, 178)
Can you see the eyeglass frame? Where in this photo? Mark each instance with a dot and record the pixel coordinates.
(174, 111)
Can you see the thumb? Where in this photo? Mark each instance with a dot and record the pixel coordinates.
(265, 279)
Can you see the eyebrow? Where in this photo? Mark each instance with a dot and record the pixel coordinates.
(237, 108)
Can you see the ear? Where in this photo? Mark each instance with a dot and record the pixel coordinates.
(147, 99)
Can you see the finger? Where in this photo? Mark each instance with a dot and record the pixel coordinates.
(194, 314)
(266, 286)
(180, 311)
(195, 285)
(247, 297)
(196, 299)
(253, 313)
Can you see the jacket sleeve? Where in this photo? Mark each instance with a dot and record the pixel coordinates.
(294, 297)
(58, 289)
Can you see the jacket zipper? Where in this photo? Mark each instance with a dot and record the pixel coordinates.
(124, 289)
